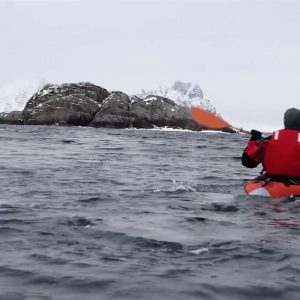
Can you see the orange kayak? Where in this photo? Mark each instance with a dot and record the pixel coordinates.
(272, 189)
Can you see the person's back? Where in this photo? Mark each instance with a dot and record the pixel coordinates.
(280, 153)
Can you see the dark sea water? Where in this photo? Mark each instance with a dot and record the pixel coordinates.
(94, 214)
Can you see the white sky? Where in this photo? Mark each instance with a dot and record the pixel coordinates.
(243, 53)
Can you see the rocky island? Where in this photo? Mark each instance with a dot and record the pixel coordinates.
(86, 104)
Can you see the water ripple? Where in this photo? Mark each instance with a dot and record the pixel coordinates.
(92, 214)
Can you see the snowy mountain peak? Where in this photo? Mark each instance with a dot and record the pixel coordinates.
(189, 89)
(14, 95)
(183, 93)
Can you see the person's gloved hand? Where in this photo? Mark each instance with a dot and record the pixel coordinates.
(255, 135)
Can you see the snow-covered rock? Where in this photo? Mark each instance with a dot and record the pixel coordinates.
(68, 103)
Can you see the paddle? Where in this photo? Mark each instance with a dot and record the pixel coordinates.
(211, 121)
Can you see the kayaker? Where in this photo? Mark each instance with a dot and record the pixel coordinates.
(278, 153)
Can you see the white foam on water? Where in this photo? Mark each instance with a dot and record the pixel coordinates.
(199, 251)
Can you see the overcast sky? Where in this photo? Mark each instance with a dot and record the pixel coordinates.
(243, 53)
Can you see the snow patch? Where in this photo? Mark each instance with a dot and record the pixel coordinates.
(150, 99)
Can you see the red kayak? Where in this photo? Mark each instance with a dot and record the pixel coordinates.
(271, 188)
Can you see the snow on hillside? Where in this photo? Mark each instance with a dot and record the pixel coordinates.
(14, 95)
(184, 94)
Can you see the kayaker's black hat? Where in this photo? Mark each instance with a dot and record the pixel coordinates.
(292, 119)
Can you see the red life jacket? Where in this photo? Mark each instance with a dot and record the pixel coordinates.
(282, 156)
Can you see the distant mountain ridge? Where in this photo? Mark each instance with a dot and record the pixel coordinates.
(185, 94)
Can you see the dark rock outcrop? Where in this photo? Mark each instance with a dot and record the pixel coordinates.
(159, 111)
(121, 111)
(114, 112)
(66, 104)
(140, 116)
(13, 117)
